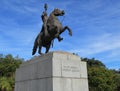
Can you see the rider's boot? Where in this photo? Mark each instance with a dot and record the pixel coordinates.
(58, 33)
(45, 31)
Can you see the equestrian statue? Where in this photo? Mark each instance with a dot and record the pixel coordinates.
(51, 29)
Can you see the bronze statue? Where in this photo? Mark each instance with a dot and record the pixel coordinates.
(51, 29)
(44, 19)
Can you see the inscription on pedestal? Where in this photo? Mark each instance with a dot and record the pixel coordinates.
(71, 69)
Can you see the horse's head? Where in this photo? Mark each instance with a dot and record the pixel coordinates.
(58, 12)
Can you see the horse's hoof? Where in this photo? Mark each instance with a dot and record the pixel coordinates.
(60, 39)
(70, 33)
(41, 54)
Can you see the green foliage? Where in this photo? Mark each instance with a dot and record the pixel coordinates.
(117, 81)
(93, 62)
(5, 84)
(8, 65)
(100, 78)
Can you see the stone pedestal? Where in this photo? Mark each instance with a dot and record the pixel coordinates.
(55, 71)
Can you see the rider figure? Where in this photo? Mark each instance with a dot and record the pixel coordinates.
(44, 19)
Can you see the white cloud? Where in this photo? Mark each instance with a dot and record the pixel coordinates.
(114, 53)
(99, 44)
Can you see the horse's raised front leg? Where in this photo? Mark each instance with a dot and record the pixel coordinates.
(66, 27)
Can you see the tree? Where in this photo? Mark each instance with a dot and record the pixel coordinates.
(117, 81)
(8, 66)
(93, 62)
(99, 77)
(5, 84)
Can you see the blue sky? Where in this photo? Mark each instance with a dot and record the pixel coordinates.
(95, 25)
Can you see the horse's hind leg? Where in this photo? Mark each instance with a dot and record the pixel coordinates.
(39, 51)
(47, 48)
(66, 27)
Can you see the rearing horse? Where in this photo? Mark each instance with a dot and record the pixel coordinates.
(54, 28)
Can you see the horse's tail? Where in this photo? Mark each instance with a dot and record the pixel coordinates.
(35, 46)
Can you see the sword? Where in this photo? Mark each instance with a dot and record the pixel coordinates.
(45, 7)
